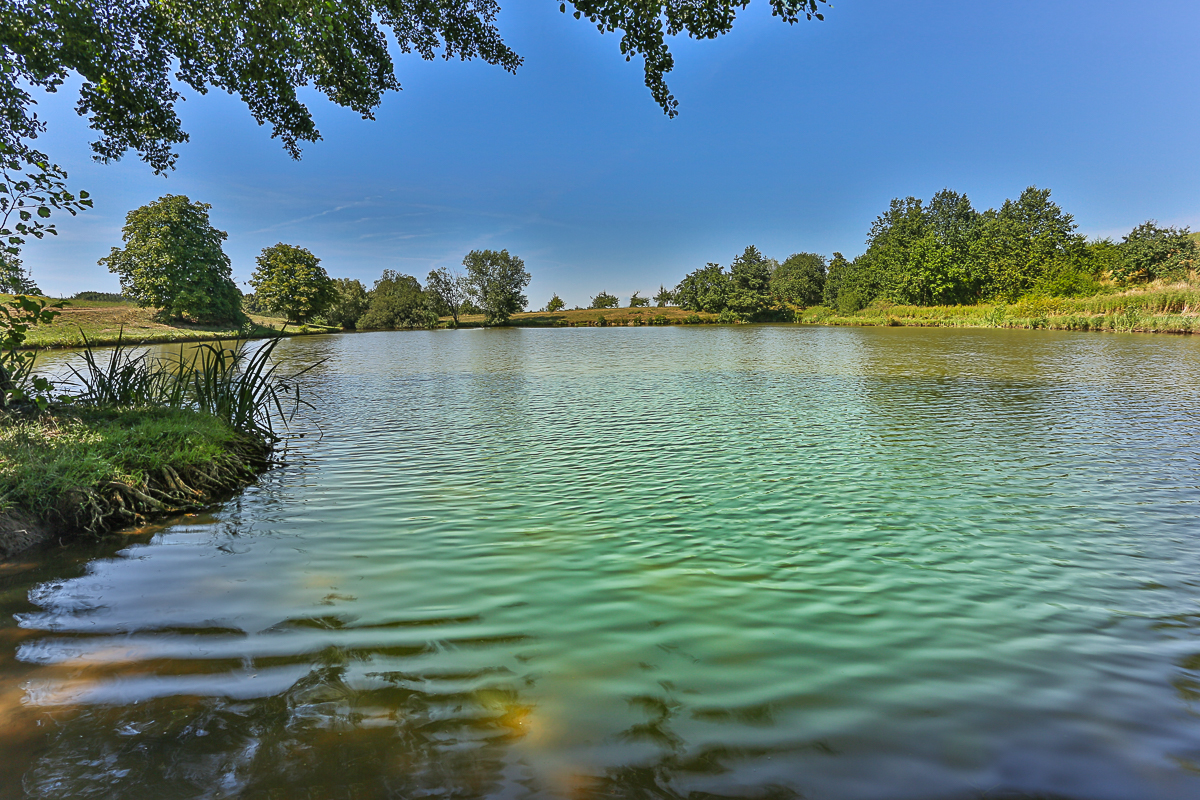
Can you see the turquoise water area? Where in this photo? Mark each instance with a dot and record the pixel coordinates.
(748, 561)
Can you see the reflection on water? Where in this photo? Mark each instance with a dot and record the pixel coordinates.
(765, 562)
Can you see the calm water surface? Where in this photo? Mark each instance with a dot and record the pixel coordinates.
(677, 562)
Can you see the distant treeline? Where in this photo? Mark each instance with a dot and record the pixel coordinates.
(492, 285)
(943, 253)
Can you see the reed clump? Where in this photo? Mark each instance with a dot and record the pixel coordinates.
(132, 437)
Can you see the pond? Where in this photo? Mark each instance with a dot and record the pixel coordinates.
(752, 561)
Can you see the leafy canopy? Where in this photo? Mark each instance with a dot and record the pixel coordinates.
(350, 304)
(555, 304)
(172, 260)
(800, 280)
(496, 284)
(134, 56)
(397, 301)
(605, 300)
(448, 291)
(1150, 252)
(290, 280)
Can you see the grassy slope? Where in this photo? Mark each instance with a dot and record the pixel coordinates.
(102, 322)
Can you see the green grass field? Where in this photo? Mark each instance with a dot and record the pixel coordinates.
(102, 322)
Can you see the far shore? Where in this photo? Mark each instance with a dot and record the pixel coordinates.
(1162, 309)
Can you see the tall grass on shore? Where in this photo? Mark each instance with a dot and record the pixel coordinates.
(241, 386)
(137, 436)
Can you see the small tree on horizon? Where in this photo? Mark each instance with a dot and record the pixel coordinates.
(448, 291)
(290, 280)
(496, 282)
(173, 261)
(664, 298)
(555, 304)
(637, 301)
(604, 300)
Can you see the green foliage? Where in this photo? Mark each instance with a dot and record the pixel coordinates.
(31, 189)
(1151, 252)
(447, 290)
(291, 281)
(555, 304)
(397, 301)
(173, 260)
(664, 298)
(132, 56)
(14, 278)
(637, 301)
(18, 384)
(101, 297)
(348, 306)
(800, 280)
(496, 282)
(706, 289)
(948, 253)
(46, 459)
(604, 300)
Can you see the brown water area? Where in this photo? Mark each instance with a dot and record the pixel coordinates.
(680, 562)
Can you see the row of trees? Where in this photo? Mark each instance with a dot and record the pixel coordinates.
(173, 260)
(940, 253)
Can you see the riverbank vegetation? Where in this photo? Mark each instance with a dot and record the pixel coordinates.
(944, 263)
(128, 437)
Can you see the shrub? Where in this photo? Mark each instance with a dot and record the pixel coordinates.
(556, 304)
(1150, 252)
(604, 300)
(351, 303)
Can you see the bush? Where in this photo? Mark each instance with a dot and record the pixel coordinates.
(556, 304)
(637, 301)
(1150, 252)
(397, 301)
(604, 300)
(101, 297)
(351, 303)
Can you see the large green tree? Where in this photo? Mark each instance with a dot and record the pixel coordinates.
(133, 58)
(172, 260)
(290, 280)
(497, 284)
(800, 280)
(706, 289)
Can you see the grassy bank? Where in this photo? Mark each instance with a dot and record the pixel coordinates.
(95, 469)
(1160, 309)
(102, 322)
(593, 317)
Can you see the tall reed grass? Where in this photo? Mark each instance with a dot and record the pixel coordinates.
(240, 386)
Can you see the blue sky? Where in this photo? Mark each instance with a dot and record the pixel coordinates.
(790, 139)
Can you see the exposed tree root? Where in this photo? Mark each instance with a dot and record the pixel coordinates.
(169, 491)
